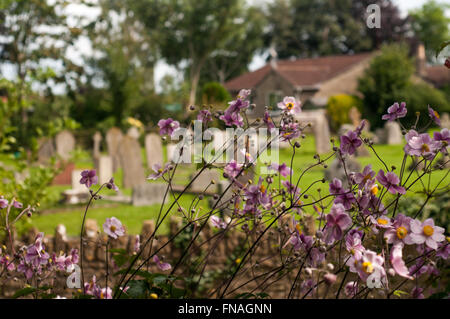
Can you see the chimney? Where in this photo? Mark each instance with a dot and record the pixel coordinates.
(273, 57)
(420, 60)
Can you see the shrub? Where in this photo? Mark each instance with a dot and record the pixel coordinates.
(214, 93)
(338, 108)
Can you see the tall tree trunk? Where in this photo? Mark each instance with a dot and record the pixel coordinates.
(194, 78)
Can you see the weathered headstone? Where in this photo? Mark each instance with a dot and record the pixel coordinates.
(46, 150)
(153, 150)
(202, 181)
(131, 162)
(445, 120)
(113, 138)
(104, 168)
(322, 134)
(393, 133)
(355, 116)
(148, 194)
(65, 144)
(336, 169)
(97, 140)
(133, 132)
(79, 193)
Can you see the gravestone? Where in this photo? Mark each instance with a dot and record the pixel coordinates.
(46, 150)
(355, 116)
(320, 128)
(445, 120)
(393, 133)
(133, 132)
(65, 144)
(97, 140)
(79, 192)
(113, 138)
(104, 169)
(204, 179)
(131, 162)
(148, 194)
(153, 149)
(336, 169)
(380, 136)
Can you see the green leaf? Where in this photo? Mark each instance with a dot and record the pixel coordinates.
(399, 293)
(442, 47)
(138, 289)
(24, 292)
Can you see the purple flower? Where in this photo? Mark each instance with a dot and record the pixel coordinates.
(113, 228)
(232, 118)
(434, 116)
(35, 253)
(232, 169)
(244, 93)
(336, 186)
(290, 188)
(443, 137)
(397, 262)
(350, 142)
(353, 243)
(290, 105)
(88, 178)
(231, 115)
(417, 293)
(161, 265)
(362, 178)
(3, 202)
(17, 204)
(283, 169)
(289, 131)
(168, 126)
(137, 243)
(257, 195)
(337, 221)
(390, 181)
(395, 111)
(421, 145)
(111, 185)
(346, 198)
(443, 250)
(360, 127)
(427, 233)
(268, 120)
(218, 222)
(370, 263)
(204, 116)
(351, 288)
(159, 171)
(400, 231)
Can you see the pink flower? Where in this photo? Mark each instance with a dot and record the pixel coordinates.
(290, 105)
(427, 233)
(370, 263)
(232, 169)
(161, 265)
(268, 120)
(366, 175)
(88, 178)
(390, 181)
(397, 261)
(3, 202)
(159, 171)
(417, 292)
(168, 126)
(113, 227)
(443, 137)
(421, 145)
(204, 116)
(400, 232)
(395, 111)
(351, 288)
(218, 222)
(111, 185)
(336, 186)
(434, 116)
(337, 221)
(283, 169)
(350, 142)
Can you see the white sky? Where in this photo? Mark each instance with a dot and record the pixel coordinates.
(83, 47)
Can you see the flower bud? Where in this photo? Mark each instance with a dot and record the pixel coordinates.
(329, 278)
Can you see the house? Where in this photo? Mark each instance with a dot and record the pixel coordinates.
(314, 80)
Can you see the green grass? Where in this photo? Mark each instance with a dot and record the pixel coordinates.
(133, 217)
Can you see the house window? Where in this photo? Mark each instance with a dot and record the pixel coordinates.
(273, 98)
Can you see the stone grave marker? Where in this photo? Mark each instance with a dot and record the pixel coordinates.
(153, 149)
(393, 133)
(46, 150)
(65, 144)
(113, 138)
(204, 179)
(131, 162)
(104, 168)
(148, 194)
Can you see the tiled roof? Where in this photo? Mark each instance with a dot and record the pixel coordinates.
(299, 72)
(438, 75)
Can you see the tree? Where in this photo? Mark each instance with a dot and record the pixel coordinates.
(305, 28)
(431, 25)
(189, 31)
(35, 33)
(387, 76)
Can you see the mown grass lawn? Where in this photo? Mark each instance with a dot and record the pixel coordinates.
(133, 217)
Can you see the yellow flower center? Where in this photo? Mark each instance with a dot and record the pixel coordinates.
(262, 188)
(401, 232)
(238, 261)
(113, 228)
(153, 296)
(425, 148)
(102, 295)
(367, 267)
(428, 230)
(382, 221)
(374, 189)
(436, 114)
(290, 106)
(298, 228)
